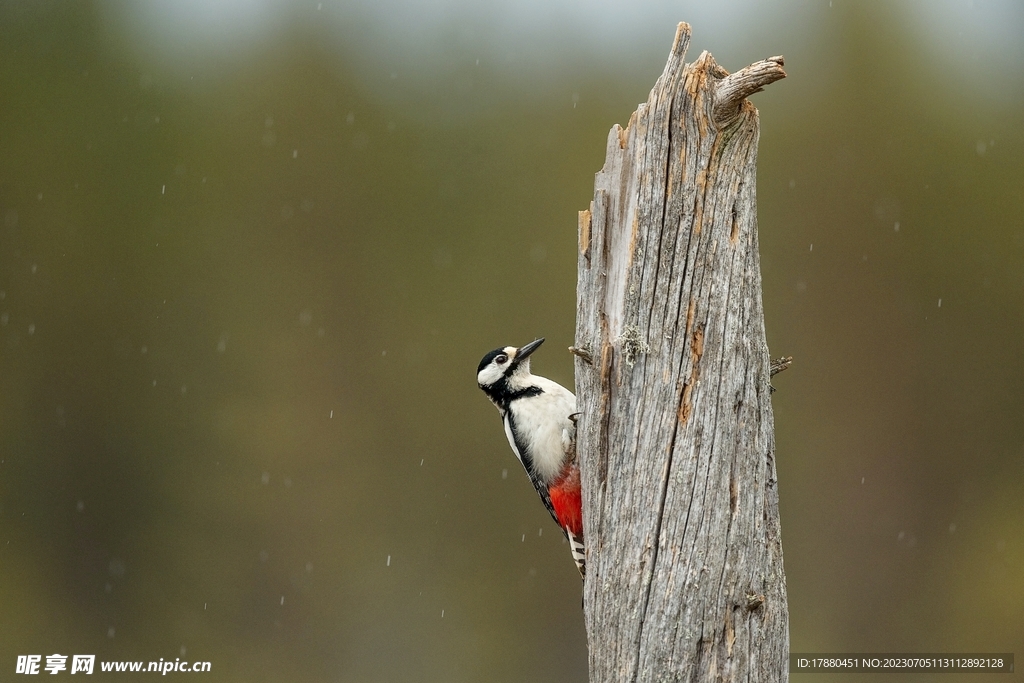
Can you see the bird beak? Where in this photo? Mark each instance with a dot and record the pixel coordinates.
(524, 351)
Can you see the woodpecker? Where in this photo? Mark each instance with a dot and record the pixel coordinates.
(539, 418)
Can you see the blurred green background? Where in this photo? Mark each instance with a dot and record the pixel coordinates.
(251, 252)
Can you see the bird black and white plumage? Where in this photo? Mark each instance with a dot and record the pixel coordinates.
(538, 418)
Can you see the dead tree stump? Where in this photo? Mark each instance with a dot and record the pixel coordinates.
(684, 557)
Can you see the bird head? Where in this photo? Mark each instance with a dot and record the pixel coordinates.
(507, 368)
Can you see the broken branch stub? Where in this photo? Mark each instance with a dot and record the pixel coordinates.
(672, 377)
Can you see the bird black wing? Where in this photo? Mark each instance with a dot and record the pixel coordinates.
(514, 441)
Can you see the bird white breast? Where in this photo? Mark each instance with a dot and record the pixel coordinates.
(543, 424)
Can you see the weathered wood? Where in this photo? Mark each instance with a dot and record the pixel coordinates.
(684, 567)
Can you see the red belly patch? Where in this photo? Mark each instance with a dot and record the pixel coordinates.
(567, 501)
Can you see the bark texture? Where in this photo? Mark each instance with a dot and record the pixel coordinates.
(684, 568)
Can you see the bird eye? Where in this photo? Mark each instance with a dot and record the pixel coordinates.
(501, 359)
